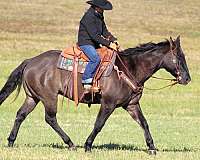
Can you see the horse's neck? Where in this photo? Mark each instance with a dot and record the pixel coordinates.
(143, 66)
(151, 65)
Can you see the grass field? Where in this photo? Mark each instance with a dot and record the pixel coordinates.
(28, 28)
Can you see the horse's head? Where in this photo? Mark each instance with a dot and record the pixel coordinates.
(175, 63)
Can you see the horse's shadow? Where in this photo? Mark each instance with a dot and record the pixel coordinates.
(110, 147)
(113, 146)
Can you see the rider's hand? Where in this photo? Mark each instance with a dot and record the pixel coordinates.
(118, 45)
(116, 42)
(113, 46)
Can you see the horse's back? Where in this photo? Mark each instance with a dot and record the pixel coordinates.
(50, 55)
(44, 61)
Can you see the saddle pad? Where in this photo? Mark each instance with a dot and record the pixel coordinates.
(67, 64)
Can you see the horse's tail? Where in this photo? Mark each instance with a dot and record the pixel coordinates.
(14, 80)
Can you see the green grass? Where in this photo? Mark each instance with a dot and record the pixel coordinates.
(28, 28)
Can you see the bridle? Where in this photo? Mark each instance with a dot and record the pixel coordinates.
(176, 60)
(132, 79)
(177, 66)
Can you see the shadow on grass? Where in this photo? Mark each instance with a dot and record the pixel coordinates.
(110, 146)
(184, 149)
(51, 145)
(33, 145)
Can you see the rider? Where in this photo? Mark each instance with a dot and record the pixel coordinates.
(92, 34)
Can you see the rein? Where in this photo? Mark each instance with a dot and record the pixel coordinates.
(129, 74)
(175, 81)
(165, 79)
(129, 81)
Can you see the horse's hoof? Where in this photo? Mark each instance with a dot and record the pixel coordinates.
(73, 148)
(152, 152)
(10, 144)
(87, 148)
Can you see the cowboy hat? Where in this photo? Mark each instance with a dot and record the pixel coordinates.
(103, 4)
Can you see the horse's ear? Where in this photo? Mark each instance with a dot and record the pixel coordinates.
(178, 41)
(172, 44)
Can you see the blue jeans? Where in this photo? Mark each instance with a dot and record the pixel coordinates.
(94, 61)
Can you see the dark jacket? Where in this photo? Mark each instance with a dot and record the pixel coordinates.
(93, 30)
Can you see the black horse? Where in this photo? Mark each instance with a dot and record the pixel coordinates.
(43, 81)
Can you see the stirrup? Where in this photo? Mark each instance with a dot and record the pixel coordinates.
(95, 89)
(87, 88)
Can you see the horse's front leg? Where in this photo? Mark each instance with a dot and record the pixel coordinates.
(104, 113)
(136, 113)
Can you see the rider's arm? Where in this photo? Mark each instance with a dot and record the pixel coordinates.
(93, 32)
(107, 34)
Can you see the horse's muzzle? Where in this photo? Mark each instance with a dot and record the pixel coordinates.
(184, 81)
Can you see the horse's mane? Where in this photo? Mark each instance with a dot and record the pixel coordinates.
(144, 48)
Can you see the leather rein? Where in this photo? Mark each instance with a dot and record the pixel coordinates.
(135, 86)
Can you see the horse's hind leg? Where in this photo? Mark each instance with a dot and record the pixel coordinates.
(26, 108)
(50, 118)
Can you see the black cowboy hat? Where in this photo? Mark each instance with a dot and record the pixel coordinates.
(103, 4)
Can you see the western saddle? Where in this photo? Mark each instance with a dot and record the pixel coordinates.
(76, 54)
